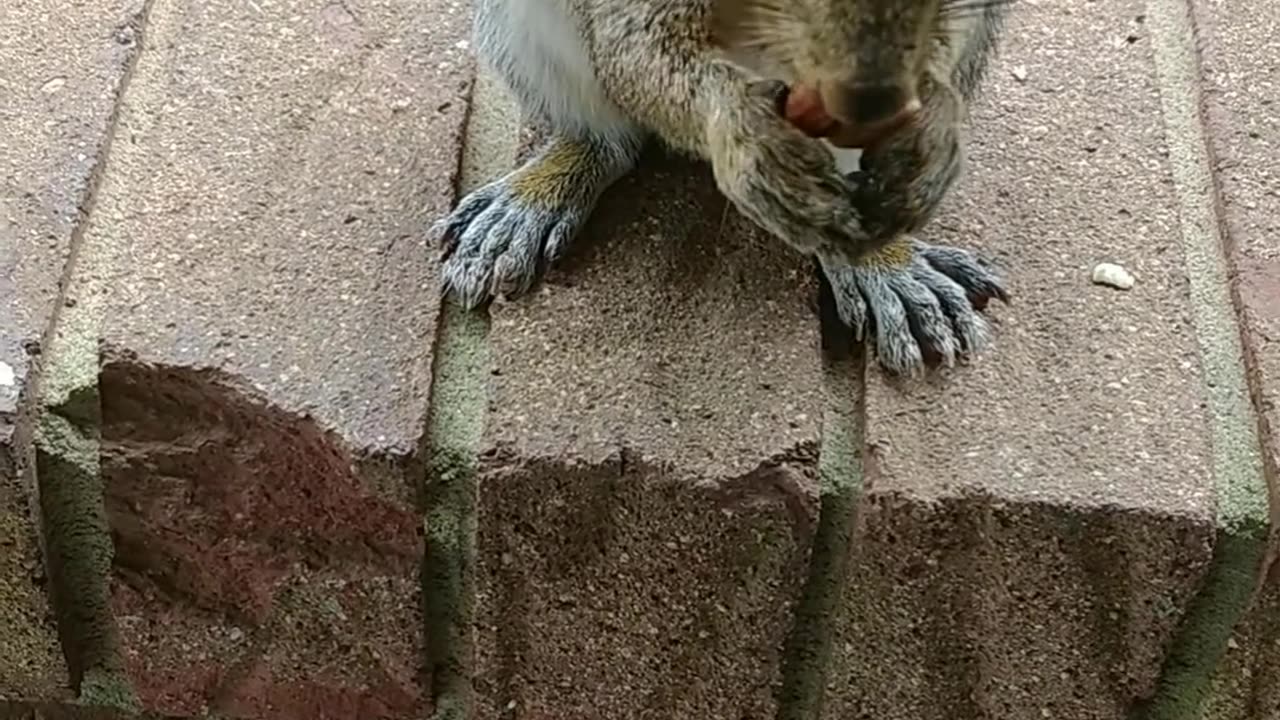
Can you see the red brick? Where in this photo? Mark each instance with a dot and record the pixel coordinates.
(1038, 523)
(648, 491)
(267, 350)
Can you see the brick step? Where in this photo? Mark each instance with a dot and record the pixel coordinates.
(647, 492)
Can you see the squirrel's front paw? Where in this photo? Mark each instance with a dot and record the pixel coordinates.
(497, 242)
(921, 301)
(503, 236)
(782, 180)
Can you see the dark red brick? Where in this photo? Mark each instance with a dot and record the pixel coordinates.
(267, 349)
(648, 493)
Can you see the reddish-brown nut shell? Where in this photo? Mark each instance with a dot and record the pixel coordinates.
(804, 109)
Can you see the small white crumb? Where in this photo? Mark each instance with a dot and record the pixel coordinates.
(1020, 73)
(7, 376)
(1113, 275)
(53, 85)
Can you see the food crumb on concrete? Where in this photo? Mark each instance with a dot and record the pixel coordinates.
(1113, 275)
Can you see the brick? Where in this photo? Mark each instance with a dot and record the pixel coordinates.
(1039, 525)
(647, 487)
(64, 67)
(1240, 96)
(266, 350)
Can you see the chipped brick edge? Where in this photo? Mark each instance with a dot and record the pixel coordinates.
(1242, 494)
(59, 466)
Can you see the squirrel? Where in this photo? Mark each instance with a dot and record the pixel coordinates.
(711, 78)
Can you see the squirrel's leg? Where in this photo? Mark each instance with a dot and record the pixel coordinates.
(790, 185)
(502, 236)
(921, 298)
(923, 301)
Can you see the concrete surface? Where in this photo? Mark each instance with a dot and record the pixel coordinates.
(261, 407)
(64, 70)
(280, 479)
(658, 503)
(1241, 96)
(1037, 524)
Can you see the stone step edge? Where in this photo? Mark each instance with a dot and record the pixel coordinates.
(62, 412)
(1243, 552)
(491, 145)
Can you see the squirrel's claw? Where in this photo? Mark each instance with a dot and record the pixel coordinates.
(923, 312)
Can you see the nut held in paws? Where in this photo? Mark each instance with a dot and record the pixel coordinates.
(804, 109)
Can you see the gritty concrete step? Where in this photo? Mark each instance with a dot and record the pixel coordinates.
(1241, 96)
(1036, 526)
(253, 271)
(63, 70)
(648, 493)
(1053, 532)
(1072, 529)
(1239, 44)
(281, 479)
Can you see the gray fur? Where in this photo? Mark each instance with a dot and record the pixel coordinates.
(924, 305)
(606, 74)
(498, 242)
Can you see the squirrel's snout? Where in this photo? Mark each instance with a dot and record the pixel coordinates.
(871, 105)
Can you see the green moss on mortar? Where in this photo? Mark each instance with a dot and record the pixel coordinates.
(32, 657)
(1244, 685)
(459, 402)
(78, 546)
(1240, 487)
(808, 652)
(108, 687)
(73, 518)
(1186, 680)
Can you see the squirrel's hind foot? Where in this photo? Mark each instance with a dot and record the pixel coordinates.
(920, 302)
(502, 237)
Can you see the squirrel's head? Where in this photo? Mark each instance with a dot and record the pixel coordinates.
(865, 58)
